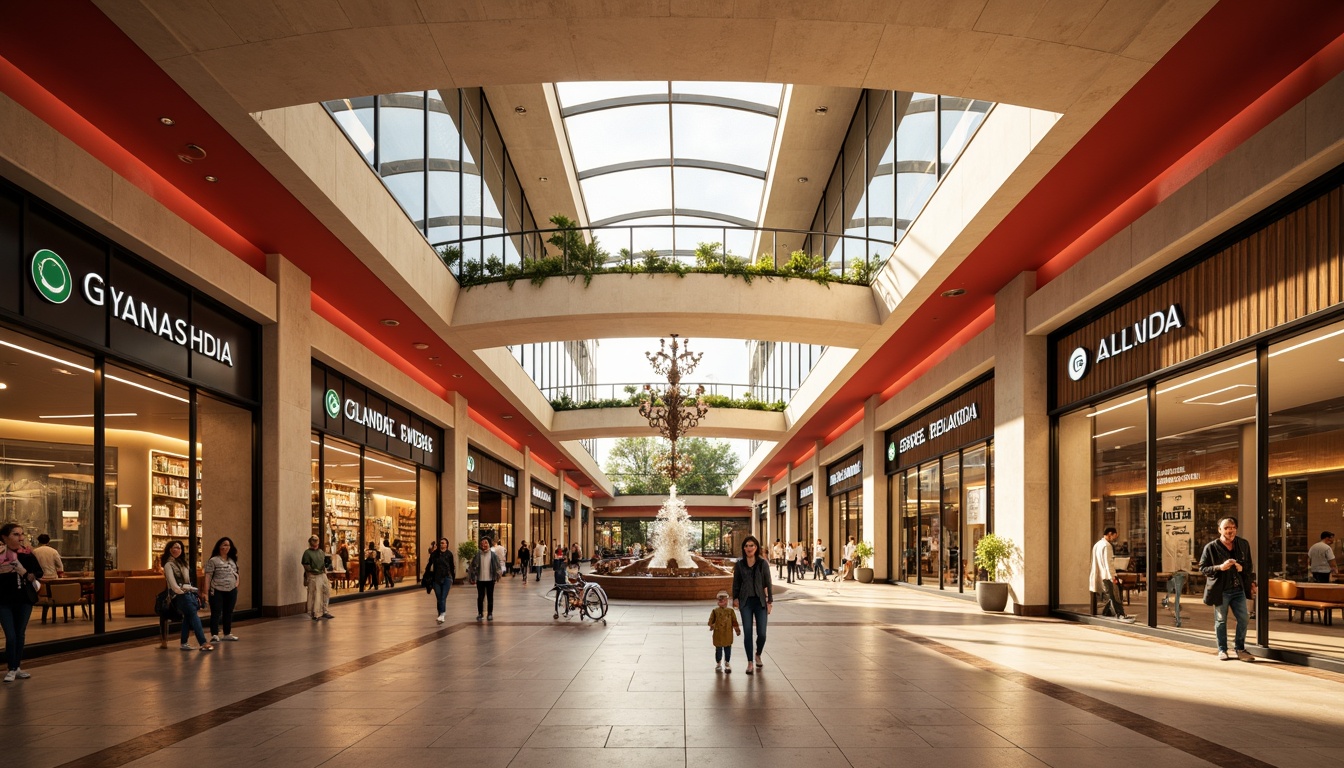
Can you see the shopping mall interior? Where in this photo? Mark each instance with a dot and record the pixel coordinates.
(1066, 278)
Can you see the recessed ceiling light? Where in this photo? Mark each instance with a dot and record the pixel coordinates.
(3, 385)
(802, 179)
(457, 375)
(167, 121)
(212, 179)
(64, 371)
(543, 178)
(520, 110)
(506, 416)
(390, 323)
(822, 110)
(422, 345)
(433, 357)
(953, 293)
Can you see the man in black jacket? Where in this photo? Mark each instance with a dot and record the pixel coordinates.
(1226, 562)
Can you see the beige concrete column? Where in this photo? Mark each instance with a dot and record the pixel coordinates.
(453, 515)
(790, 511)
(524, 505)
(876, 517)
(225, 436)
(820, 505)
(1075, 508)
(286, 426)
(1022, 446)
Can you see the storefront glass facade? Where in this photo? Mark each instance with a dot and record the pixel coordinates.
(940, 487)
(1218, 420)
(372, 461)
(127, 421)
(492, 489)
(844, 489)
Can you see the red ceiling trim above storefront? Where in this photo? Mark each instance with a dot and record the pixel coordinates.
(331, 314)
(60, 116)
(1268, 107)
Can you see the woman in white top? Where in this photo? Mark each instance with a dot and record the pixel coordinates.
(221, 584)
(177, 575)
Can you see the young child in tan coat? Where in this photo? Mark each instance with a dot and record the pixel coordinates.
(723, 623)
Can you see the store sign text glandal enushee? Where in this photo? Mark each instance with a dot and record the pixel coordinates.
(381, 422)
(53, 282)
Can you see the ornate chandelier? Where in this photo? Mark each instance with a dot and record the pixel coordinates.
(671, 412)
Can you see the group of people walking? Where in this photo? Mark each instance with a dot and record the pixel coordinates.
(794, 560)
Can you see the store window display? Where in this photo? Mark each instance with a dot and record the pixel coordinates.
(365, 498)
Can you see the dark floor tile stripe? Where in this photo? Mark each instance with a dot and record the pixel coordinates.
(1188, 743)
(149, 743)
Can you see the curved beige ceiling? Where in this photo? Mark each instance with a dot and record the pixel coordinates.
(1033, 53)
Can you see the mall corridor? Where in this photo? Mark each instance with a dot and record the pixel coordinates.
(860, 675)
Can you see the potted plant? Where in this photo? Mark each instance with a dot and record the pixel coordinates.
(466, 550)
(993, 554)
(863, 571)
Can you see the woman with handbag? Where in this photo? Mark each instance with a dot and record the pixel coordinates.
(19, 572)
(186, 597)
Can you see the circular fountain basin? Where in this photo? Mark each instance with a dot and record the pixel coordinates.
(638, 581)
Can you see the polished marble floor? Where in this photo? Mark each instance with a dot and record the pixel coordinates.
(861, 675)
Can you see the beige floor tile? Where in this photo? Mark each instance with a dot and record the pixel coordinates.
(647, 736)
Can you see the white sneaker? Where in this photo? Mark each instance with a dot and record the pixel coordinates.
(186, 647)
(440, 619)
(718, 667)
(19, 673)
(214, 638)
(230, 638)
(727, 667)
(11, 675)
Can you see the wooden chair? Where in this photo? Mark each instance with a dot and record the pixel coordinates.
(66, 596)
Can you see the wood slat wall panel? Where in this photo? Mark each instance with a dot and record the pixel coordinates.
(1290, 268)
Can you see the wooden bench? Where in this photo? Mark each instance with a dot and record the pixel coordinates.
(1289, 595)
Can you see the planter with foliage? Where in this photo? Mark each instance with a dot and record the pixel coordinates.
(993, 555)
(863, 570)
(466, 551)
(579, 258)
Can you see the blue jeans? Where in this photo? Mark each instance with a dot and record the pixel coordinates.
(14, 620)
(723, 653)
(1237, 601)
(191, 620)
(818, 568)
(441, 588)
(753, 613)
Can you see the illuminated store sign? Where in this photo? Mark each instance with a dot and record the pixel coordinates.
(1117, 343)
(852, 469)
(938, 428)
(541, 494)
(53, 281)
(804, 492)
(381, 422)
(350, 410)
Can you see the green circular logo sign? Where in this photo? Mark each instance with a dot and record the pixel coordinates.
(51, 277)
(333, 403)
(891, 451)
(471, 463)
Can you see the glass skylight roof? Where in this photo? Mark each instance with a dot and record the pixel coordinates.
(671, 152)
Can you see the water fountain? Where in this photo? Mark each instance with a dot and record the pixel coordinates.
(672, 571)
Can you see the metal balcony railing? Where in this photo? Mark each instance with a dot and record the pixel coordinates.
(583, 393)
(748, 252)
